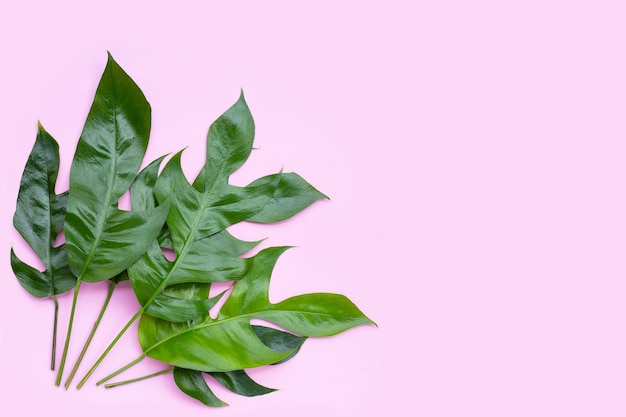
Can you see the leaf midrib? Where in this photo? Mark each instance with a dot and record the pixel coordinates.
(255, 314)
(109, 196)
(188, 242)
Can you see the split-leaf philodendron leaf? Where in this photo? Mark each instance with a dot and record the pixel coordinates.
(39, 217)
(228, 342)
(170, 214)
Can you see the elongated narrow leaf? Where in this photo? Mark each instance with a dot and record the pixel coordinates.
(197, 220)
(39, 217)
(193, 384)
(229, 342)
(103, 241)
(240, 383)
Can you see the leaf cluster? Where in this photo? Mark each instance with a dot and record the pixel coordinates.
(188, 220)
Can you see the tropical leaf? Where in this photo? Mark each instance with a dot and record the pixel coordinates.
(239, 382)
(204, 251)
(101, 240)
(196, 227)
(39, 217)
(211, 257)
(292, 195)
(279, 341)
(193, 384)
(229, 342)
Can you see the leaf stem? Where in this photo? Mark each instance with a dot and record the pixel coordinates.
(122, 369)
(108, 349)
(68, 335)
(130, 381)
(93, 332)
(54, 332)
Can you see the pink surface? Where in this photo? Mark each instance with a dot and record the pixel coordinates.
(474, 156)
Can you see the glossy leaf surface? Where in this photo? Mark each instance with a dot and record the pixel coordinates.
(193, 384)
(239, 381)
(293, 194)
(39, 217)
(229, 343)
(102, 241)
(197, 220)
(279, 341)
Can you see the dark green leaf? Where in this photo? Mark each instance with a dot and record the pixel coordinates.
(279, 341)
(292, 195)
(240, 383)
(103, 241)
(193, 384)
(39, 217)
(197, 220)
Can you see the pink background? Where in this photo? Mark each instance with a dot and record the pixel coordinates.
(474, 155)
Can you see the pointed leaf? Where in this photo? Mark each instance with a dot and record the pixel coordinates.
(240, 383)
(193, 384)
(197, 220)
(317, 314)
(39, 218)
(103, 241)
(292, 195)
(229, 142)
(229, 343)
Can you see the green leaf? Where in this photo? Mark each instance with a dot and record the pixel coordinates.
(292, 195)
(39, 217)
(197, 220)
(279, 341)
(240, 383)
(229, 342)
(103, 241)
(193, 384)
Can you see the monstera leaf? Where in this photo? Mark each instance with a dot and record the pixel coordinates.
(103, 241)
(39, 217)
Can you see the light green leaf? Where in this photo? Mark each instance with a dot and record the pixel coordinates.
(229, 342)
